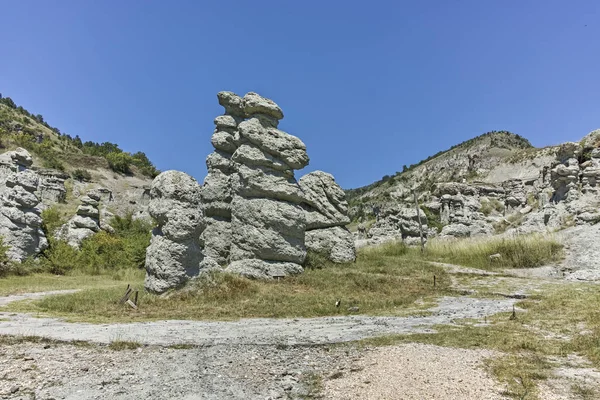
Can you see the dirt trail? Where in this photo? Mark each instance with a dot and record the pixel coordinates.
(256, 331)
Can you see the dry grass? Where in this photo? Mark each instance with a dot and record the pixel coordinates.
(380, 283)
(45, 282)
(516, 252)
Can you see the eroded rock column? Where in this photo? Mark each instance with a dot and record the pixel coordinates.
(267, 222)
(20, 221)
(175, 254)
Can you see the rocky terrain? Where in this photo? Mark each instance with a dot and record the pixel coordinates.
(493, 184)
(41, 168)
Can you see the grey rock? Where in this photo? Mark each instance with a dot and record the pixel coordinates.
(170, 264)
(253, 156)
(216, 239)
(19, 157)
(261, 269)
(20, 221)
(267, 229)
(324, 201)
(336, 243)
(175, 251)
(226, 122)
(224, 141)
(266, 182)
(591, 140)
(232, 103)
(256, 104)
(456, 230)
(284, 146)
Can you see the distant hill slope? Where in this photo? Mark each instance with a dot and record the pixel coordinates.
(52, 149)
(471, 160)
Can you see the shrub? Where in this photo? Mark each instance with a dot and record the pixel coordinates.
(51, 221)
(5, 263)
(81, 175)
(119, 162)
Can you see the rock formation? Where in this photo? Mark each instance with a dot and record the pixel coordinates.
(267, 222)
(174, 254)
(251, 212)
(84, 223)
(531, 190)
(326, 218)
(20, 221)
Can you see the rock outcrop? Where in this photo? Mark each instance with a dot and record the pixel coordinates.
(20, 221)
(267, 222)
(326, 218)
(522, 191)
(84, 223)
(174, 255)
(251, 217)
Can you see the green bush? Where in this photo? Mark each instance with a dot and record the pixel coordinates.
(51, 221)
(5, 263)
(81, 175)
(119, 162)
(100, 253)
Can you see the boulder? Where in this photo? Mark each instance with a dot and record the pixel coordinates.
(336, 243)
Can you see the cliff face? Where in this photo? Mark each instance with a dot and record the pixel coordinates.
(491, 184)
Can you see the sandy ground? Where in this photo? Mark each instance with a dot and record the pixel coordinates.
(416, 371)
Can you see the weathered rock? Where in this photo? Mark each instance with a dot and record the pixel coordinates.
(324, 201)
(284, 146)
(336, 243)
(175, 254)
(267, 229)
(256, 104)
(20, 221)
(84, 224)
(19, 157)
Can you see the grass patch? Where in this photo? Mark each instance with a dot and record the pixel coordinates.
(516, 252)
(379, 283)
(123, 345)
(45, 282)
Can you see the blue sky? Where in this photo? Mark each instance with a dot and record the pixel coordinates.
(368, 86)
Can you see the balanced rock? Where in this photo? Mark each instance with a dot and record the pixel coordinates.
(326, 213)
(174, 254)
(84, 223)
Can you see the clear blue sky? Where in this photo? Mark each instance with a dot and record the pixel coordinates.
(367, 85)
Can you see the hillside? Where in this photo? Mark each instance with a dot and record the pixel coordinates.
(470, 160)
(55, 150)
(69, 167)
(489, 184)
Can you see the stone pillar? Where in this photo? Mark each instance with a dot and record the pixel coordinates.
(175, 254)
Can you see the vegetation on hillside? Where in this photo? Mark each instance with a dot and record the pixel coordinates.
(21, 128)
(102, 253)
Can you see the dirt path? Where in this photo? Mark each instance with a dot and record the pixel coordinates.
(258, 331)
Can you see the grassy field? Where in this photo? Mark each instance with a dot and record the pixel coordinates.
(44, 282)
(385, 280)
(378, 283)
(515, 252)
